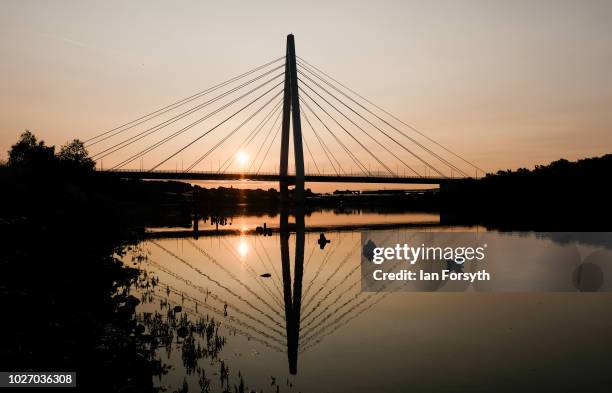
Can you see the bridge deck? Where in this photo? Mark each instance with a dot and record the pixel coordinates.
(375, 178)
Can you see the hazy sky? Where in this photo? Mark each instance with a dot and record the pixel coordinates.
(505, 83)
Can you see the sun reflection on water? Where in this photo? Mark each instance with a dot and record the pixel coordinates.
(243, 247)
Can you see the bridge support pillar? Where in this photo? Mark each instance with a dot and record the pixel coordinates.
(291, 114)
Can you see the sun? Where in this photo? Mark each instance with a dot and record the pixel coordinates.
(242, 158)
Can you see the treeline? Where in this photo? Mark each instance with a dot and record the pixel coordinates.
(45, 183)
(587, 169)
(42, 184)
(562, 195)
(29, 153)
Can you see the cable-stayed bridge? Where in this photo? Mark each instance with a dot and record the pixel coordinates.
(232, 131)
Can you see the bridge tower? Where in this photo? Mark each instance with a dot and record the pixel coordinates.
(291, 114)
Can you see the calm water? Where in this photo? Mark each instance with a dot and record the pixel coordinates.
(351, 341)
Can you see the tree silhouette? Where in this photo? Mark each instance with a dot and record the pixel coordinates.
(28, 151)
(74, 155)
(31, 153)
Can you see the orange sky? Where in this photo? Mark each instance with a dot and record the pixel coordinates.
(506, 84)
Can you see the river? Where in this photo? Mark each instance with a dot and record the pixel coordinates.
(248, 316)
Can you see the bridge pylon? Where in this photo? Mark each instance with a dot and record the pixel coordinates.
(291, 115)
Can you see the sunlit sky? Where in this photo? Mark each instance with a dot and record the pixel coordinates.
(505, 83)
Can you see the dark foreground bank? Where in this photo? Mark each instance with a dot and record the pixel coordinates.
(65, 303)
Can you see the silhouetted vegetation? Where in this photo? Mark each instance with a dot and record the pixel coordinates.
(66, 303)
(74, 155)
(30, 154)
(563, 195)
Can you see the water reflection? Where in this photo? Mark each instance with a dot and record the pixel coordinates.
(243, 248)
(292, 295)
(283, 313)
(257, 302)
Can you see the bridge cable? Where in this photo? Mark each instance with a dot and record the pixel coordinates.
(223, 122)
(179, 103)
(349, 133)
(261, 146)
(174, 119)
(203, 156)
(346, 149)
(364, 131)
(126, 142)
(414, 129)
(321, 143)
(373, 125)
(311, 156)
(269, 147)
(449, 164)
(264, 142)
(229, 161)
(166, 139)
(259, 125)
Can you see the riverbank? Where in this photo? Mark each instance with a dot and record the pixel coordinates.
(67, 307)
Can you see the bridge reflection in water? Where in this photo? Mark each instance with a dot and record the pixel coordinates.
(310, 291)
(292, 296)
(315, 303)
